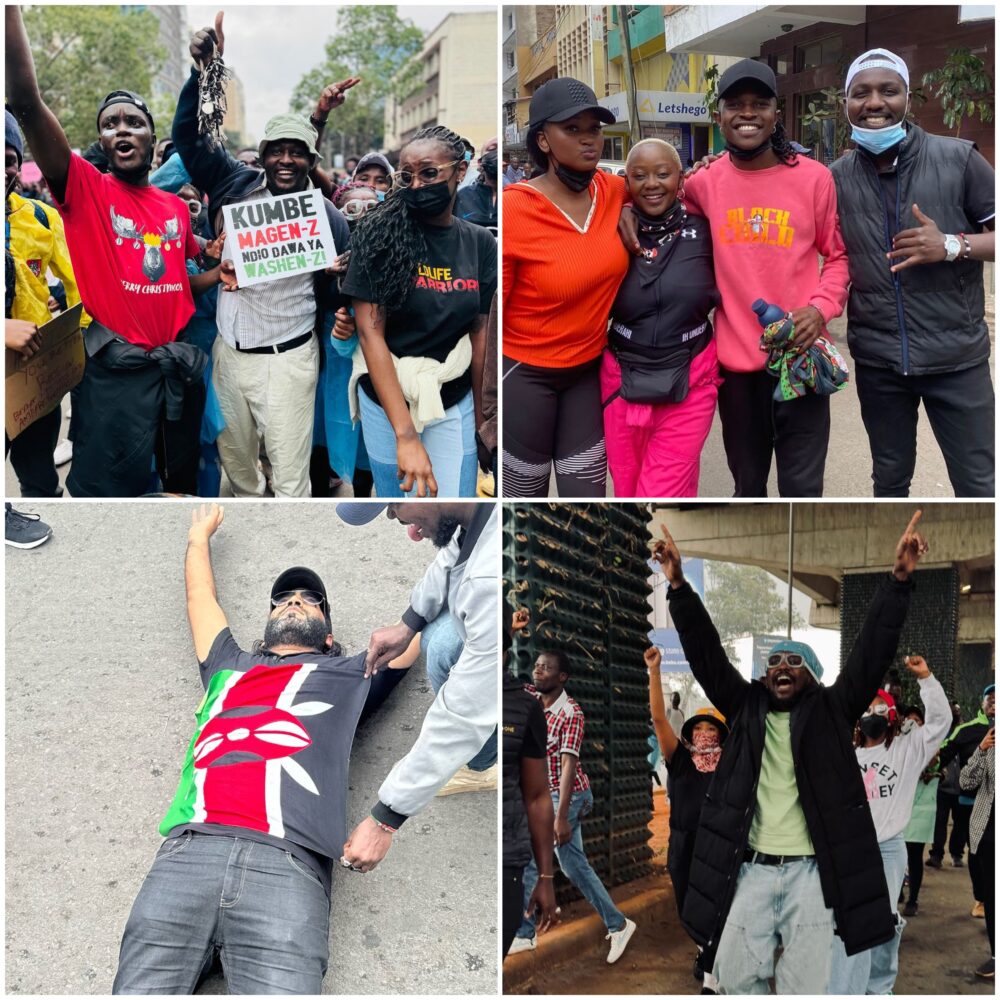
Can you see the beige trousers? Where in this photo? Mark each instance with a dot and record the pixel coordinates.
(271, 396)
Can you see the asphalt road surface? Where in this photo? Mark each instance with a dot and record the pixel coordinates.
(101, 688)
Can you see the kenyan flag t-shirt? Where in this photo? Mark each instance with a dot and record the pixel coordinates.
(271, 749)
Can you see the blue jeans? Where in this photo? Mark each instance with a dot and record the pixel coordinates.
(575, 866)
(263, 908)
(450, 444)
(776, 904)
(441, 645)
(874, 970)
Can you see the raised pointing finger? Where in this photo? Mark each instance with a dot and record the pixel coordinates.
(911, 527)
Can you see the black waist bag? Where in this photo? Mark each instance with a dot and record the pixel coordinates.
(662, 378)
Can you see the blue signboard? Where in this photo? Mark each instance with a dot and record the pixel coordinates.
(668, 642)
(761, 647)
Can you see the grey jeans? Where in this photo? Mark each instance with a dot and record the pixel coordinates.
(265, 911)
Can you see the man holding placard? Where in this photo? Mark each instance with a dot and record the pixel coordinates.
(281, 236)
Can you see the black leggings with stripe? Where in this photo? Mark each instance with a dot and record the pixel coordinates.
(553, 415)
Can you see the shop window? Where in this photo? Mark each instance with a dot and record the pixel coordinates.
(613, 148)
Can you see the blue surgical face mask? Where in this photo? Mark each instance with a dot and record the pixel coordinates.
(878, 140)
(380, 195)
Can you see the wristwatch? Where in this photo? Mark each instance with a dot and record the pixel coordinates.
(952, 247)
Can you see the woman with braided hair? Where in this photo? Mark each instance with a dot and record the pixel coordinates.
(422, 282)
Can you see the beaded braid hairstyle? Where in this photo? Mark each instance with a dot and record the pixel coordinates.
(387, 245)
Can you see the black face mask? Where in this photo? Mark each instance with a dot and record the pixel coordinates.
(575, 180)
(749, 154)
(874, 727)
(428, 201)
(488, 164)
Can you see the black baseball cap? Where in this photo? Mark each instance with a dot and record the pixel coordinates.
(748, 70)
(300, 578)
(562, 98)
(126, 97)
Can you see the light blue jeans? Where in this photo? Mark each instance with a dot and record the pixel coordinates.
(442, 646)
(262, 907)
(573, 861)
(776, 905)
(874, 971)
(450, 444)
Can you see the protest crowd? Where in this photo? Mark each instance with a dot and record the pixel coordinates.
(800, 810)
(669, 292)
(254, 323)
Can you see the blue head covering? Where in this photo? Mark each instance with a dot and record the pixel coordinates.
(12, 136)
(804, 650)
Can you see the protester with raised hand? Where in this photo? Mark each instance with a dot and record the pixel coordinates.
(786, 851)
(422, 282)
(266, 357)
(891, 764)
(692, 756)
(141, 393)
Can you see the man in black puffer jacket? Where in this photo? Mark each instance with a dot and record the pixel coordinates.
(917, 216)
(786, 851)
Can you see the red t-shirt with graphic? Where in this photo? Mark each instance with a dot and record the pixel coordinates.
(128, 245)
(769, 229)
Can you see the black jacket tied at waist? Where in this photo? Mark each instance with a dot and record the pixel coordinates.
(127, 398)
(828, 779)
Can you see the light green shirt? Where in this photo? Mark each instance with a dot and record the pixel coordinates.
(779, 825)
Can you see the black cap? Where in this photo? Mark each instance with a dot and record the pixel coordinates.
(300, 578)
(126, 97)
(562, 98)
(748, 70)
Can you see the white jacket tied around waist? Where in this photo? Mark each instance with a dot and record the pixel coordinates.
(419, 378)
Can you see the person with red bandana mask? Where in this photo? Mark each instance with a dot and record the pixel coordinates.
(692, 757)
(891, 763)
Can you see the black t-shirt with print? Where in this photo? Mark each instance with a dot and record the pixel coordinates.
(454, 286)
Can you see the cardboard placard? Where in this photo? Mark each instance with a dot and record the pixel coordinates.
(35, 385)
(273, 238)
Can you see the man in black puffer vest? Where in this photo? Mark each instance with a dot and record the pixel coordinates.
(786, 851)
(917, 215)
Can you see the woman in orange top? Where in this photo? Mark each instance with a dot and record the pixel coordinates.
(562, 264)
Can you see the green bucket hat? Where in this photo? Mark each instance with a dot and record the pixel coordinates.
(290, 126)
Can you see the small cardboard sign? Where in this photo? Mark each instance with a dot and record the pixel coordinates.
(273, 238)
(35, 385)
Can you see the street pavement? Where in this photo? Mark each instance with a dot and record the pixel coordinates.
(101, 688)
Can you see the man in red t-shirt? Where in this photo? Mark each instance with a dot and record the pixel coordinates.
(128, 242)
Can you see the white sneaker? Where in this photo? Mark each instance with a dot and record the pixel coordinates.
(523, 944)
(619, 941)
(63, 452)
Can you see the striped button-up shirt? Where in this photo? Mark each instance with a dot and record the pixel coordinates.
(564, 720)
(271, 312)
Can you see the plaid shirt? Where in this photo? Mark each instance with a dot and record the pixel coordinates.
(564, 719)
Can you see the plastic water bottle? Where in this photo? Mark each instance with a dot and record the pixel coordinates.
(768, 312)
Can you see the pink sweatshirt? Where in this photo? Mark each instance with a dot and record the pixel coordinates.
(768, 226)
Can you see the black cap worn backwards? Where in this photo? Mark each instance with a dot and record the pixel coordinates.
(747, 70)
(300, 578)
(125, 97)
(562, 98)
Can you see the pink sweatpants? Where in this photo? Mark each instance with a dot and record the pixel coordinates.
(655, 450)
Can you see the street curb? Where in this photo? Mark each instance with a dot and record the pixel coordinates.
(565, 943)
